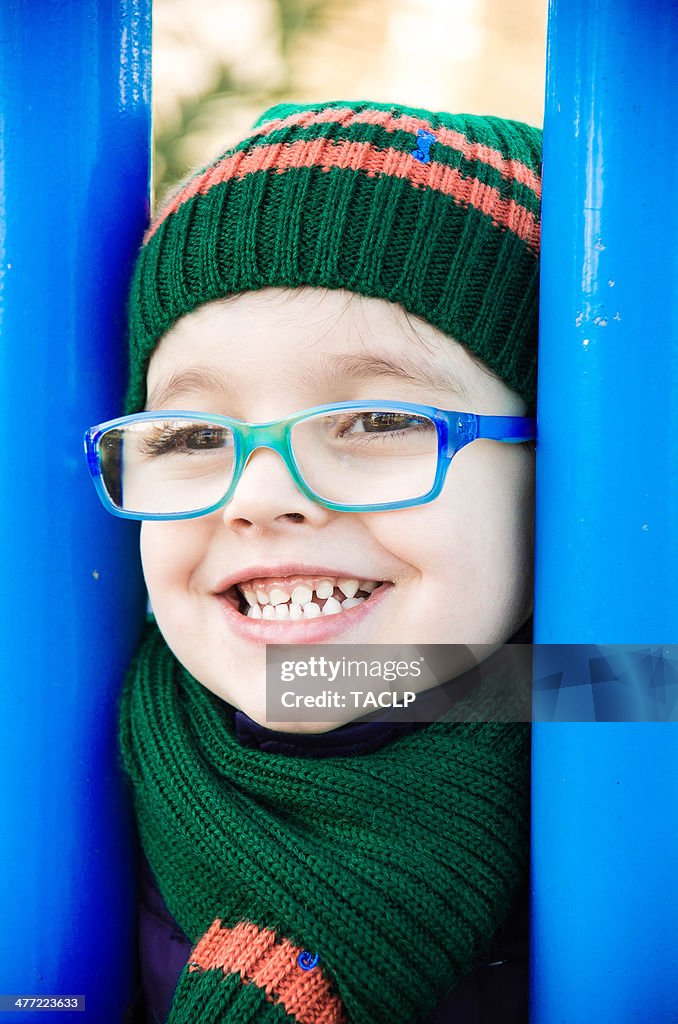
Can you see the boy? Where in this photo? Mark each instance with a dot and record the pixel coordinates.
(367, 274)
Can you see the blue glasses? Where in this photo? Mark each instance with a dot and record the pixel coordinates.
(348, 456)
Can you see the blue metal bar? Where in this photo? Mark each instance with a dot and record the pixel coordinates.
(74, 185)
(605, 795)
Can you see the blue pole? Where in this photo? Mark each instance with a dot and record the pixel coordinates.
(605, 795)
(74, 183)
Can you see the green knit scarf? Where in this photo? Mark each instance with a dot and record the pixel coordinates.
(351, 889)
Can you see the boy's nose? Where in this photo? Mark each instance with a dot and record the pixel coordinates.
(266, 493)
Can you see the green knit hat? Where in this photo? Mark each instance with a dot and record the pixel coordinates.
(438, 212)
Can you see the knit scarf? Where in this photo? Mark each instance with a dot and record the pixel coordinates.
(341, 890)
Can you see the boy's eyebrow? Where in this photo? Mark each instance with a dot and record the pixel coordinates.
(370, 366)
(195, 378)
(332, 370)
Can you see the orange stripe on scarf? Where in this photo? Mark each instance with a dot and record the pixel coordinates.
(271, 964)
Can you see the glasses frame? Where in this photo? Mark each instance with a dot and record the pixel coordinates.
(455, 430)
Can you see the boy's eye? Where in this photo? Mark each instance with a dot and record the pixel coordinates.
(206, 437)
(384, 422)
(194, 438)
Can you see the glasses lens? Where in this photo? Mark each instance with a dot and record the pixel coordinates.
(169, 466)
(367, 456)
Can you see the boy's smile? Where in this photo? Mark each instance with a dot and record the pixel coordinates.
(297, 604)
(455, 571)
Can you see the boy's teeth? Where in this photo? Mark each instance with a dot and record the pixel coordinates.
(277, 601)
(331, 606)
(348, 588)
(302, 594)
(310, 610)
(324, 588)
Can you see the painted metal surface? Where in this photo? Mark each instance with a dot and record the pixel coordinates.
(605, 795)
(74, 184)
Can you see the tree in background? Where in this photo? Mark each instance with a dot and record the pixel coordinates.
(217, 66)
(247, 59)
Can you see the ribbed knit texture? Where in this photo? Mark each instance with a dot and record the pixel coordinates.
(435, 211)
(396, 867)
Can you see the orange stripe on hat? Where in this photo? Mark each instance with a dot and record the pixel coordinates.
(261, 959)
(507, 167)
(328, 154)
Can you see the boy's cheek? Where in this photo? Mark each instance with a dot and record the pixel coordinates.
(168, 559)
(153, 561)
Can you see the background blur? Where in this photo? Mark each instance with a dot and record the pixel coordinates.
(217, 64)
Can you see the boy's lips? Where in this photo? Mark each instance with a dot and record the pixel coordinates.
(300, 630)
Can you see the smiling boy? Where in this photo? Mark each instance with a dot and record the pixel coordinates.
(436, 566)
(344, 255)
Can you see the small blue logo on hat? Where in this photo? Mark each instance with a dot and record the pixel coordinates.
(425, 140)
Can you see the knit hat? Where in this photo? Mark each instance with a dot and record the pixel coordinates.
(435, 211)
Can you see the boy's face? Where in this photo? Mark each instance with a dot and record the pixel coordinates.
(459, 568)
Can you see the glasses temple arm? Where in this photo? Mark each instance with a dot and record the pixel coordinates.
(506, 428)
